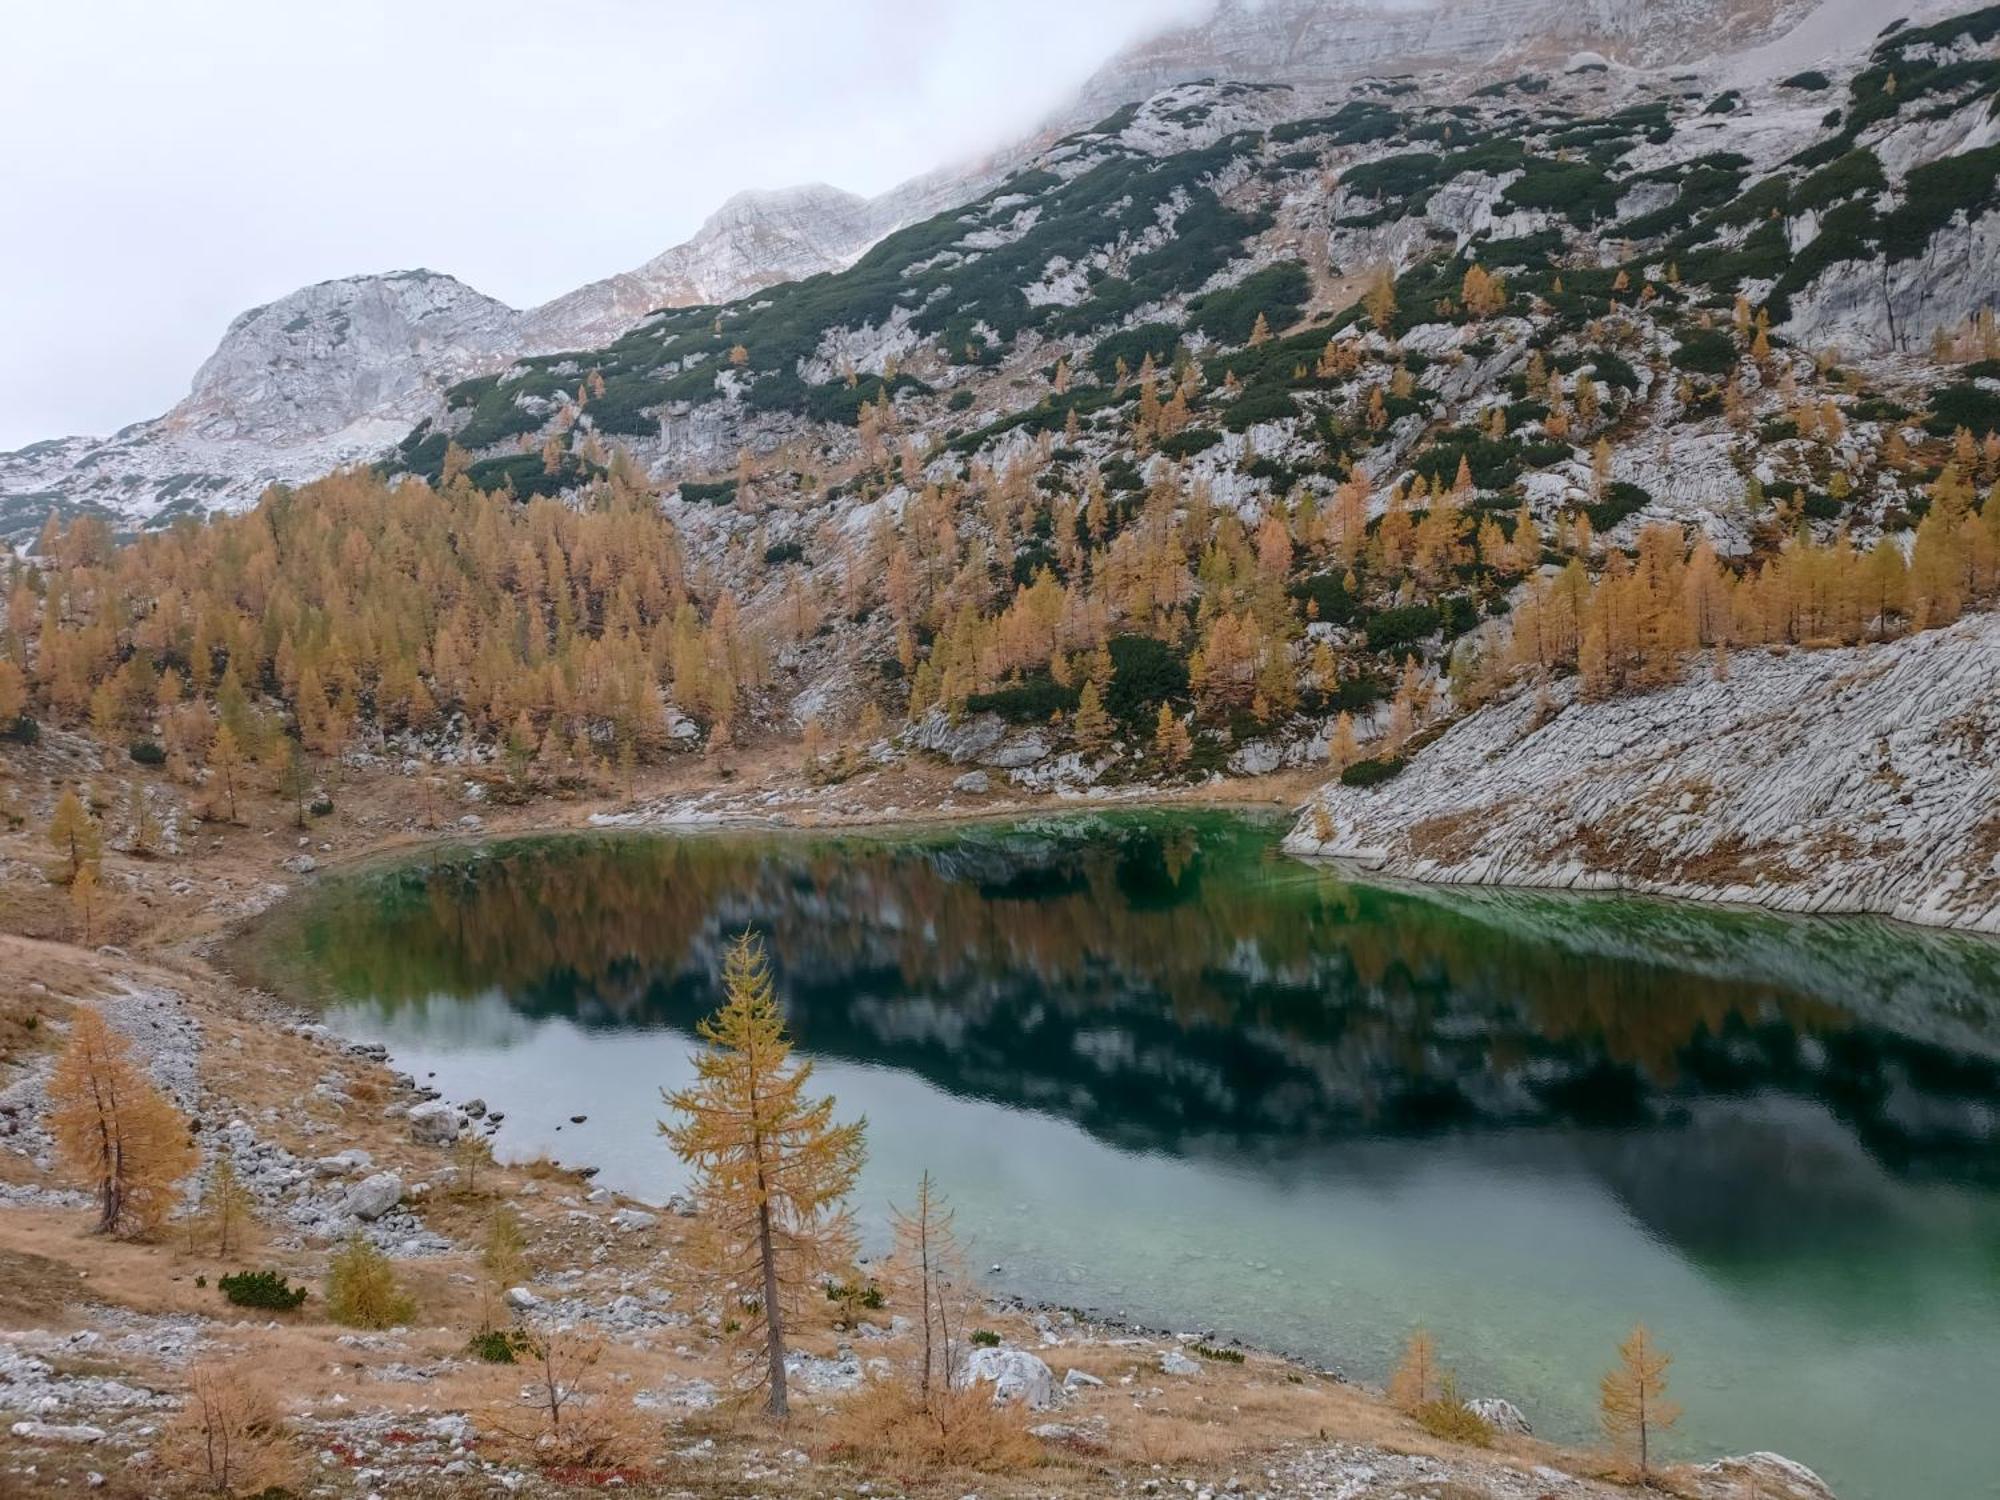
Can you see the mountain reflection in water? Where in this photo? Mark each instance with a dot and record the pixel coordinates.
(1166, 983)
(1168, 1071)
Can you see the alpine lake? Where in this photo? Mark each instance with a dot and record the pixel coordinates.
(1165, 1072)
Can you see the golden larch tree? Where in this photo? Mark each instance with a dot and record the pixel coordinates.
(928, 1246)
(1632, 1399)
(115, 1131)
(74, 834)
(772, 1170)
(1417, 1378)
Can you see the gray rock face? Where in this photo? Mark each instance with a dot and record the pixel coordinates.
(1015, 1375)
(1788, 760)
(971, 738)
(372, 1197)
(339, 372)
(1013, 754)
(313, 362)
(755, 240)
(331, 374)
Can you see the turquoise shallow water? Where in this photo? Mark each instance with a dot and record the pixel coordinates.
(1165, 1072)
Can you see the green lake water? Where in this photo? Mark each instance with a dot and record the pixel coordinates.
(1165, 1072)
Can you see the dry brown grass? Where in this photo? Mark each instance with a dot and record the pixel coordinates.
(887, 1425)
(230, 1438)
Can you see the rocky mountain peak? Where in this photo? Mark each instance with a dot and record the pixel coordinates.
(307, 364)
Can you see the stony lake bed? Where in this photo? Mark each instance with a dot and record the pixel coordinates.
(1171, 1076)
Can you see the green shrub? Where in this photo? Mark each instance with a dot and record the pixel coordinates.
(1707, 351)
(1856, 172)
(985, 1338)
(1227, 316)
(1027, 702)
(1327, 593)
(1132, 345)
(1969, 406)
(1190, 442)
(1144, 674)
(1367, 773)
(1254, 407)
(1620, 500)
(497, 1346)
(1223, 1356)
(23, 731)
(1404, 626)
(261, 1289)
(147, 753)
(722, 492)
(783, 552)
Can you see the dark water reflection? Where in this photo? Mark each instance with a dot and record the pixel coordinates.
(1168, 1071)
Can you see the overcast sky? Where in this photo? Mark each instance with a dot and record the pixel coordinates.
(165, 164)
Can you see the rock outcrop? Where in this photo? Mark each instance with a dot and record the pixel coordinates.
(1860, 780)
(1313, 41)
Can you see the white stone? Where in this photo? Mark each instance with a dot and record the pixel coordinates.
(51, 1432)
(1015, 1375)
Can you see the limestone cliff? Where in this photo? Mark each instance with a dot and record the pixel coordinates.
(1819, 781)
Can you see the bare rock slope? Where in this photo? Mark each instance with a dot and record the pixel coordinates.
(1864, 780)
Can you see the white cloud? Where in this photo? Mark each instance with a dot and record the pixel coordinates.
(165, 166)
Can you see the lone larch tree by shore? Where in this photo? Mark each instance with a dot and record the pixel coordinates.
(772, 1169)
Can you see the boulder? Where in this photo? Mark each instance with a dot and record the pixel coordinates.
(633, 1218)
(973, 784)
(372, 1197)
(343, 1163)
(436, 1123)
(52, 1432)
(1015, 1375)
(1173, 1362)
(1076, 1380)
(521, 1299)
(1022, 750)
(1769, 1476)
(1501, 1416)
